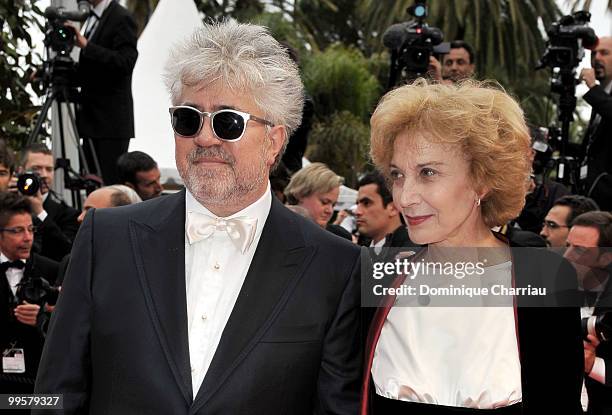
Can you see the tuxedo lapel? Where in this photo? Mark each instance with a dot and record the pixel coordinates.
(158, 245)
(100, 27)
(278, 263)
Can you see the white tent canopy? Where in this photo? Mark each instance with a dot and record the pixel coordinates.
(172, 21)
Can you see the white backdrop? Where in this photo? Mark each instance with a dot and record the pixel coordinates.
(171, 22)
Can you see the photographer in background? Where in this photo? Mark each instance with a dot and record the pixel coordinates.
(21, 340)
(55, 220)
(558, 220)
(106, 111)
(589, 242)
(457, 65)
(596, 171)
(543, 192)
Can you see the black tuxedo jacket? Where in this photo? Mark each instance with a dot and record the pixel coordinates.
(599, 151)
(118, 339)
(55, 234)
(105, 68)
(26, 337)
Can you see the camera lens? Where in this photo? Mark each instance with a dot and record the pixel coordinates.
(28, 184)
(420, 10)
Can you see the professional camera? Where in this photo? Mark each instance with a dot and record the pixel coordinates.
(599, 326)
(29, 183)
(36, 290)
(59, 37)
(567, 39)
(61, 40)
(413, 42)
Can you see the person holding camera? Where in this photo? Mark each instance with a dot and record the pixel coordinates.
(596, 170)
(56, 221)
(589, 242)
(22, 295)
(105, 115)
(456, 66)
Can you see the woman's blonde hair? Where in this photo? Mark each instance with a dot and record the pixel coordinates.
(485, 122)
(314, 178)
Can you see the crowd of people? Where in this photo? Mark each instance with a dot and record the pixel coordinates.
(243, 293)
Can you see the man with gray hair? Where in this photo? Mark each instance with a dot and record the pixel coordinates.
(217, 299)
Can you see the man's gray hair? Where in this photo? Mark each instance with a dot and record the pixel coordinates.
(246, 59)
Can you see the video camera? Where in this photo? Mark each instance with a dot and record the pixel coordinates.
(567, 40)
(61, 40)
(413, 42)
(59, 37)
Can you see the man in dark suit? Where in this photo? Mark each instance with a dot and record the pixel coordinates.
(597, 145)
(589, 248)
(21, 340)
(105, 114)
(56, 221)
(378, 221)
(217, 299)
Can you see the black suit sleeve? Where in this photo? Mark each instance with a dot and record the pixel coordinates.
(65, 364)
(340, 372)
(120, 58)
(66, 220)
(600, 101)
(50, 240)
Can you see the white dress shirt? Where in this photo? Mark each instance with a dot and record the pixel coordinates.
(43, 215)
(92, 22)
(453, 356)
(214, 273)
(13, 275)
(378, 246)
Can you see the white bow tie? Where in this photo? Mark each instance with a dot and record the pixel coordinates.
(241, 230)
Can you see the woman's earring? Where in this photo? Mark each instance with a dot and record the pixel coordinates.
(478, 202)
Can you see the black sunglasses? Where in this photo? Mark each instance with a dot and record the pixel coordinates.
(227, 124)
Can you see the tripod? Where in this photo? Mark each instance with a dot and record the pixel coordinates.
(566, 166)
(61, 91)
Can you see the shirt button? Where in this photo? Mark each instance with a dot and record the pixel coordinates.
(204, 316)
(217, 266)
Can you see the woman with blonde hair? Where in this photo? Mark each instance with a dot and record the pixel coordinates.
(456, 157)
(316, 188)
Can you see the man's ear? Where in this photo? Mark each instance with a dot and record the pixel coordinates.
(605, 257)
(392, 209)
(276, 136)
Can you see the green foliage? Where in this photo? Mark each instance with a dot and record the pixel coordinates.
(339, 79)
(241, 10)
(283, 31)
(141, 11)
(342, 141)
(16, 64)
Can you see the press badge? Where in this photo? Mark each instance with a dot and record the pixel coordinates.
(583, 171)
(13, 361)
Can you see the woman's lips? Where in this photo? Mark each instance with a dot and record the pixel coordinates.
(416, 220)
